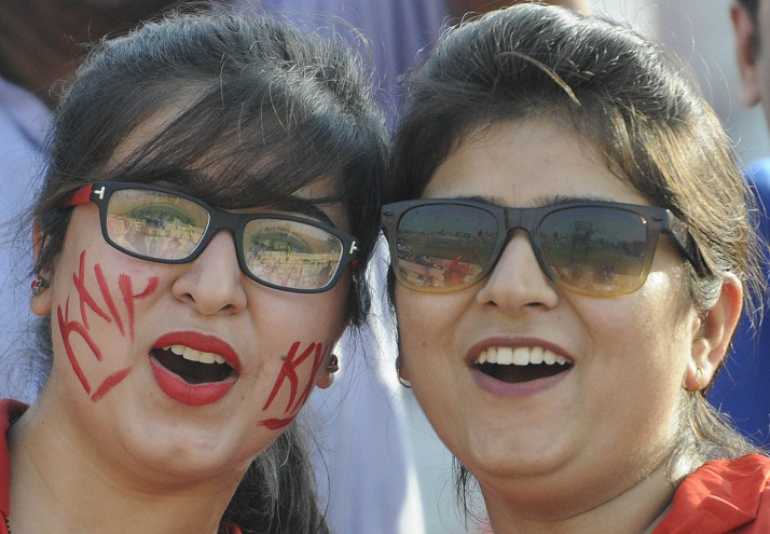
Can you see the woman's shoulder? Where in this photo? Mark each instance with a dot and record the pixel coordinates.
(730, 495)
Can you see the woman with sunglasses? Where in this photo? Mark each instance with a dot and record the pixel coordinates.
(200, 235)
(571, 250)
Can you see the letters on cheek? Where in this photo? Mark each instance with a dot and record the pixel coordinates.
(69, 327)
(288, 376)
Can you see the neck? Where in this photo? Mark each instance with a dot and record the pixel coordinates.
(637, 506)
(82, 491)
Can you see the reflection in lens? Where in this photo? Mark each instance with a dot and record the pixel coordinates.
(154, 224)
(291, 254)
(598, 250)
(444, 246)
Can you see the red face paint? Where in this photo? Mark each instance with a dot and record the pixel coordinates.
(288, 372)
(69, 327)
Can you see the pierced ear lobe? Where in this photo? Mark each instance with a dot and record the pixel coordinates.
(712, 340)
(325, 377)
(746, 42)
(41, 296)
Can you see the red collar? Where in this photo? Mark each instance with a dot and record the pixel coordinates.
(720, 497)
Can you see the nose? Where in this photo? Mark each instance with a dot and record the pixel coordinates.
(212, 283)
(517, 282)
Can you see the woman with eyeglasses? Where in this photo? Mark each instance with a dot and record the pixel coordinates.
(571, 250)
(211, 202)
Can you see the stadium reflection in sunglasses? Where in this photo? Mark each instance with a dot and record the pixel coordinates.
(596, 248)
(281, 251)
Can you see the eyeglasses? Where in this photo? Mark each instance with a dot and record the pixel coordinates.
(599, 249)
(280, 251)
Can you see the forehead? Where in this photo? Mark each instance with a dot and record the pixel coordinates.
(518, 163)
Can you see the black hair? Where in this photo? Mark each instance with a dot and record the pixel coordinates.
(620, 92)
(251, 110)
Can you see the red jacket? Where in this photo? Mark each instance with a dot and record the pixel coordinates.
(10, 409)
(723, 496)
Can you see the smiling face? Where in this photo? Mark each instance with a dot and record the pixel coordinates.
(590, 425)
(191, 369)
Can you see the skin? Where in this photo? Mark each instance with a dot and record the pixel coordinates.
(136, 456)
(592, 450)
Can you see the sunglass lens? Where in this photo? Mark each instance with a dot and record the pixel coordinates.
(595, 250)
(153, 224)
(444, 247)
(291, 254)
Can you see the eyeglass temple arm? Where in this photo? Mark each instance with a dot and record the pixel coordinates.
(687, 244)
(85, 194)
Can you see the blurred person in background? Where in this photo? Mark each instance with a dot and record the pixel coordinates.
(743, 389)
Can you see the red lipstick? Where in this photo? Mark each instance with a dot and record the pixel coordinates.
(194, 394)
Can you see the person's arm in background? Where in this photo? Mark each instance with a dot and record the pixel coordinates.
(460, 7)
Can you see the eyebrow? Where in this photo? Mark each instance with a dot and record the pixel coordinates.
(540, 201)
(290, 203)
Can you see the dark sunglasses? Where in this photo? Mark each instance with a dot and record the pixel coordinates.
(280, 251)
(599, 249)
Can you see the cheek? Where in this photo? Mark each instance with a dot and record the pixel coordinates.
(294, 383)
(94, 322)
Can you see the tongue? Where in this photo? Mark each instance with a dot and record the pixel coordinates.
(521, 373)
(192, 372)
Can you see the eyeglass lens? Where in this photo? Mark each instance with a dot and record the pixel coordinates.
(167, 227)
(593, 250)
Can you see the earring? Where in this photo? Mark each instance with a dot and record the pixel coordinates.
(699, 374)
(39, 284)
(334, 364)
(401, 380)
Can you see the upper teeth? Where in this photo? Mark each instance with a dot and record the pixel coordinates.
(195, 355)
(520, 356)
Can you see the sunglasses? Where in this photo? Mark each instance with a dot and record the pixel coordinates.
(598, 249)
(280, 251)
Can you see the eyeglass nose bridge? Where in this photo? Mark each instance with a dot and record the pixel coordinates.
(525, 219)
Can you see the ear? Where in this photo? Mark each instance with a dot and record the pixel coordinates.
(325, 377)
(40, 303)
(713, 335)
(745, 40)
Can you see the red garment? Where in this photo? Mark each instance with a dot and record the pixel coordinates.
(10, 409)
(723, 496)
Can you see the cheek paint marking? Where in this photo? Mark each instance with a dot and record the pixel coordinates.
(126, 289)
(277, 424)
(110, 382)
(288, 372)
(105, 289)
(85, 297)
(66, 329)
(317, 359)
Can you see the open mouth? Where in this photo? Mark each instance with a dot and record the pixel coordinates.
(193, 366)
(522, 364)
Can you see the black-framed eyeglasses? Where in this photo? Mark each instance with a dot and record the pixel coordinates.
(277, 250)
(597, 248)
